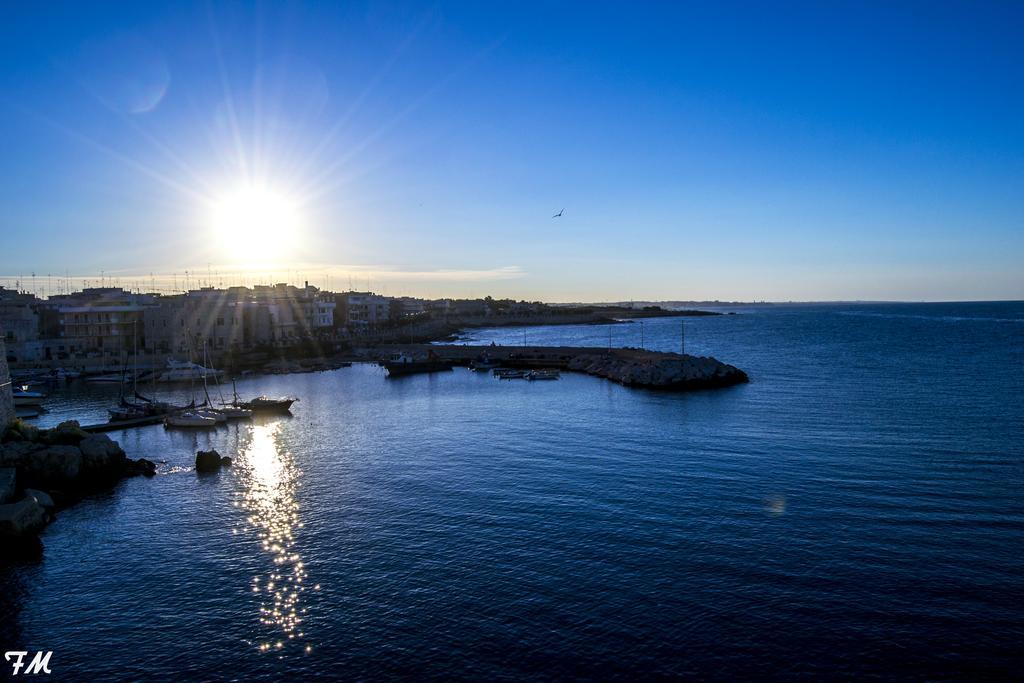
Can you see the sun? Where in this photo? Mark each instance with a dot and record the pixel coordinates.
(256, 224)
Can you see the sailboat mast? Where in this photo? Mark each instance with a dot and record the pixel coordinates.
(135, 362)
(192, 370)
(216, 376)
(206, 387)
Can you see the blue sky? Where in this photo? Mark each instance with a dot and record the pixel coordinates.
(734, 151)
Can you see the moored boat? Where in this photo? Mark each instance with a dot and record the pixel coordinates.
(112, 378)
(399, 364)
(213, 413)
(542, 375)
(189, 418)
(66, 375)
(185, 371)
(144, 407)
(265, 404)
(24, 397)
(485, 363)
(234, 412)
(260, 404)
(510, 373)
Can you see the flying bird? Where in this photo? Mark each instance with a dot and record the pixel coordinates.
(559, 213)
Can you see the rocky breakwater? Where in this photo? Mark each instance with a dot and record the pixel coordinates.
(658, 370)
(43, 470)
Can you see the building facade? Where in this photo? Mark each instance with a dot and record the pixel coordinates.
(237, 319)
(19, 315)
(361, 310)
(6, 399)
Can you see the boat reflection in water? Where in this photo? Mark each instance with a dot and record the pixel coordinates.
(269, 479)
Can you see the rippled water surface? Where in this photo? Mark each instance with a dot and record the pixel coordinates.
(855, 510)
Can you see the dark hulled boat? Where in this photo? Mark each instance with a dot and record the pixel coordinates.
(400, 364)
(265, 404)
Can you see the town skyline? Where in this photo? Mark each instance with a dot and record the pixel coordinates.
(175, 284)
(97, 326)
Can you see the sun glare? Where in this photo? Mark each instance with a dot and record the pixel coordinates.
(256, 225)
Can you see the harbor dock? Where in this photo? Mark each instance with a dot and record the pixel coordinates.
(124, 424)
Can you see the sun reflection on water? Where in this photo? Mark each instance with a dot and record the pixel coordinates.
(269, 479)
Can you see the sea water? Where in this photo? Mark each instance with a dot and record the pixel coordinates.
(856, 509)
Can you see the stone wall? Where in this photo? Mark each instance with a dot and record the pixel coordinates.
(6, 400)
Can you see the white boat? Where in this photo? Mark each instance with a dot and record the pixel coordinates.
(235, 413)
(112, 378)
(189, 419)
(24, 397)
(542, 374)
(212, 413)
(185, 371)
(510, 373)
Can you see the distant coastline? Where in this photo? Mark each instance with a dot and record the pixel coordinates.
(608, 315)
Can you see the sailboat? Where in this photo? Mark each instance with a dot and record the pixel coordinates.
(263, 404)
(189, 418)
(226, 411)
(195, 417)
(140, 406)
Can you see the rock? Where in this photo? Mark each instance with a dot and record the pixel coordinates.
(207, 461)
(94, 449)
(134, 468)
(101, 456)
(50, 466)
(16, 453)
(19, 430)
(68, 433)
(23, 519)
(8, 483)
(41, 497)
(225, 461)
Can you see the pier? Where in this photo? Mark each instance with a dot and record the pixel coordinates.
(630, 367)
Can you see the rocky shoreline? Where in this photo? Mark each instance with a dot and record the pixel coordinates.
(45, 470)
(680, 373)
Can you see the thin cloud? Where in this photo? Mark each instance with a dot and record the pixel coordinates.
(446, 275)
(334, 277)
